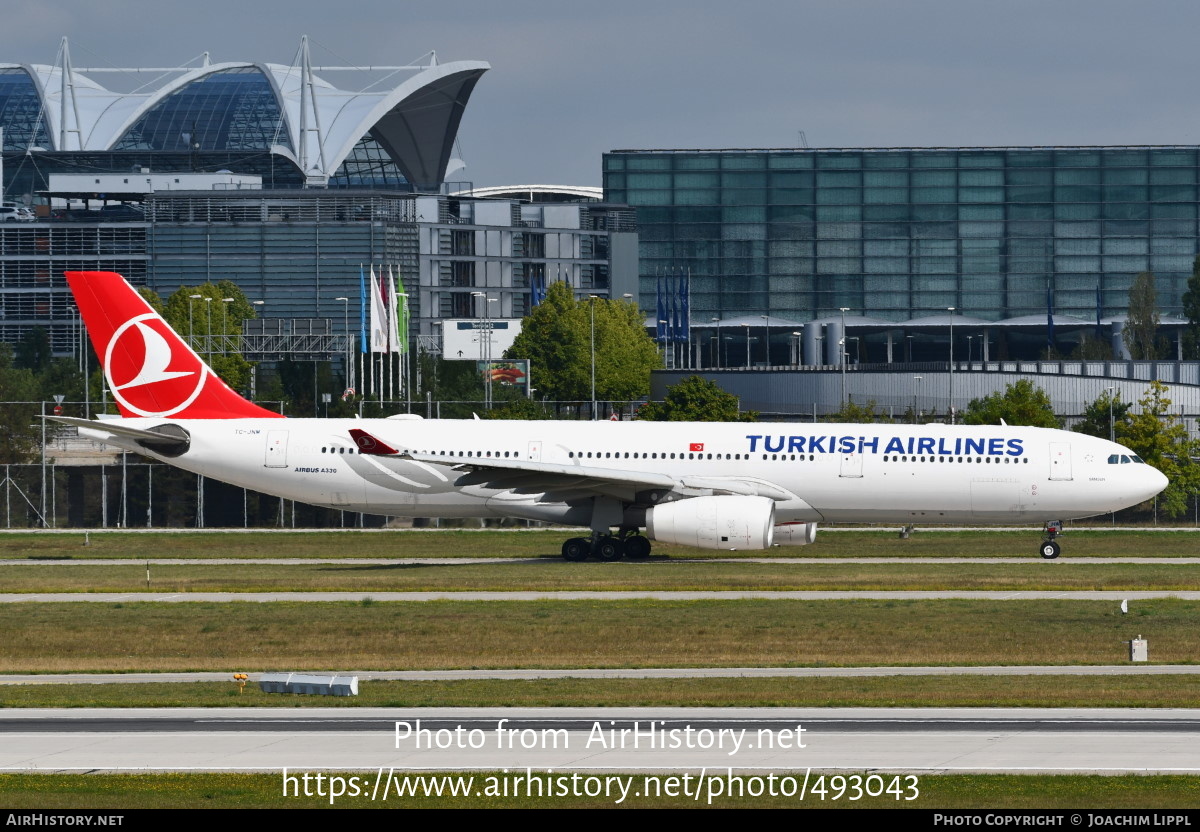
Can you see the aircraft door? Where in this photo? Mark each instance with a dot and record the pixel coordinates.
(535, 451)
(1060, 461)
(276, 453)
(852, 465)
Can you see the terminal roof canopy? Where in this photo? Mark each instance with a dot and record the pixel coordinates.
(289, 111)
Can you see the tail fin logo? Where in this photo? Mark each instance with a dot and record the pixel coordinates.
(145, 375)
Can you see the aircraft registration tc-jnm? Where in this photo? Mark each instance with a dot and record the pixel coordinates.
(707, 484)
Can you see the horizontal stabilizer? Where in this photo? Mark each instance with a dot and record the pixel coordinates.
(150, 438)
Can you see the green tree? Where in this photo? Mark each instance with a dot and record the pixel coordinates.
(20, 411)
(856, 413)
(1160, 438)
(695, 399)
(518, 407)
(1021, 403)
(1092, 349)
(1141, 328)
(212, 325)
(1096, 416)
(33, 350)
(556, 338)
(1191, 310)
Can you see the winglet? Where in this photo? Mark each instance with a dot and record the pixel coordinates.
(369, 445)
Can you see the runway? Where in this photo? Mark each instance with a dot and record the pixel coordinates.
(647, 739)
(574, 595)
(625, 673)
(553, 561)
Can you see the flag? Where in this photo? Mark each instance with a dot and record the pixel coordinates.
(1049, 318)
(687, 307)
(661, 321)
(392, 302)
(379, 332)
(363, 344)
(404, 317)
(696, 446)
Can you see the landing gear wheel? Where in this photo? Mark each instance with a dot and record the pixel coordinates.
(637, 547)
(1049, 550)
(610, 548)
(577, 549)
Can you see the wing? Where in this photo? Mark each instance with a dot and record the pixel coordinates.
(570, 483)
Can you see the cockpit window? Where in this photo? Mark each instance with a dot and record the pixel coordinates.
(1125, 460)
(1138, 459)
(1114, 459)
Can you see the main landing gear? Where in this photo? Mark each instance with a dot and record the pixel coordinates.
(628, 544)
(1050, 549)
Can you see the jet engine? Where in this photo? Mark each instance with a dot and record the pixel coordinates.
(795, 534)
(728, 522)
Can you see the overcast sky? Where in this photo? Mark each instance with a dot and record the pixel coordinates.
(570, 80)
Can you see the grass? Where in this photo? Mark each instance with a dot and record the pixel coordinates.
(558, 575)
(1051, 691)
(547, 543)
(66, 637)
(244, 791)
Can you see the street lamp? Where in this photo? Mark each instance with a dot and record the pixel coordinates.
(191, 324)
(747, 345)
(950, 309)
(592, 305)
(969, 339)
(208, 345)
(717, 361)
(842, 351)
(796, 350)
(1111, 426)
(346, 331)
(916, 387)
(224, 323)
(767, 340)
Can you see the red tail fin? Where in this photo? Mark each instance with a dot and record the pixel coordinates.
(149, 369)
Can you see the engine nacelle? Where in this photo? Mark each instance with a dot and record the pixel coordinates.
(731, 522)
(795, 534)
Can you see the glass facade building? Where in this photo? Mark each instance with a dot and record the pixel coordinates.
(898, 234)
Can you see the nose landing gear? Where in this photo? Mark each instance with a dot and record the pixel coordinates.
(1050, 549)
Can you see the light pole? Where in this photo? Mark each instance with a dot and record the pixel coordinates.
(592, 305)
(950, 309)
(767, 340)
(717, 361)
(796, 352)
(747, 345)
(1111, 427)
(969, 339)
(916, 387)
(842, 351)
(191, 322)
(346, 331)
(224, 323)
(208, 313)
(254, 365)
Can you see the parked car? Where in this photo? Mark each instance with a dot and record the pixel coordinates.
(15, 213)
(122, 212)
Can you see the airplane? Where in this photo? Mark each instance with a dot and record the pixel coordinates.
(719, 486)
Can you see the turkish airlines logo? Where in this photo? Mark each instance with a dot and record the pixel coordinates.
(696, 446)
(146, 377)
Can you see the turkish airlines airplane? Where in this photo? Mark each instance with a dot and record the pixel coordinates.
(706, 484)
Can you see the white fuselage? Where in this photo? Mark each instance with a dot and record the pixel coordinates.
(837, 472)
